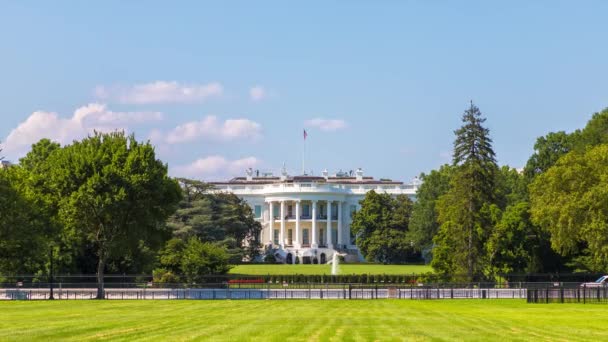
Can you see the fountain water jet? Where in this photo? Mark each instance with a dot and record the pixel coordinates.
(335, 260)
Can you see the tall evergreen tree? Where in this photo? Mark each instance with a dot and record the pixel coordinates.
(465, 210)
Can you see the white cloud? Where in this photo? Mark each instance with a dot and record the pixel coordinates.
(326, 124)
(215, 167)
(210, 128)
(160, 92)
(257, 93)
(84, 121)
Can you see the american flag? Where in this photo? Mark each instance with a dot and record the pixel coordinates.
(305, 134)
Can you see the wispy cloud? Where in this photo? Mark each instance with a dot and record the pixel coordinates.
(326, 124)
(86, 119)
(215, 167)
(159, 92)
(211, 128)
(257, 93)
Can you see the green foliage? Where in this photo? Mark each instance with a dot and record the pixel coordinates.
(217, 217)
(191, 261)
(595, 132)
(111, 193)
(570, 200)
(23, 247)
(511, 245)
(423, 224)
(465, 210)
(202, 258)
(547, 150)
(380, 227)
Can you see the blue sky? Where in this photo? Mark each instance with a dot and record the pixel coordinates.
(381, 85)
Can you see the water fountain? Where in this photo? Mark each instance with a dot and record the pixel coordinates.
(335, 260)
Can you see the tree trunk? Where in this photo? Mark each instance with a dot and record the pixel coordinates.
(101, 293)
(470, 242)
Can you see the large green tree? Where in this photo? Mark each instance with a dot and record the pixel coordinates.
(380, 227)
(216, 217)
(464, 211)
(23, 235)
(570, 200)
(112, 194)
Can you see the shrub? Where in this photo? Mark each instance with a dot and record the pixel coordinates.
(162, 275)
(270, 259)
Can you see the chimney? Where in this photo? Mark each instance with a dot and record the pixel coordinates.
(325, 174)
(249, 173)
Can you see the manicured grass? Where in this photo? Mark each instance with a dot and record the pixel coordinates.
(301, 320)
(260, 269)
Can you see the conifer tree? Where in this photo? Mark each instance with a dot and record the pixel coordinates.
(465, 211)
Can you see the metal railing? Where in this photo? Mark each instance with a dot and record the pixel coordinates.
(568, 293)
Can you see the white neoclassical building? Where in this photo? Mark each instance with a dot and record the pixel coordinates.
(308, 217)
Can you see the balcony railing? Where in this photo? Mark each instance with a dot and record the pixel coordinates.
(315, 187)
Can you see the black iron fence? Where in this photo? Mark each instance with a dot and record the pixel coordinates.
(127, 280)
(568, 293)
(273, 291)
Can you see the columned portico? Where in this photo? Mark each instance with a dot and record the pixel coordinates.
(270, 223)
(315, 242)
(282, 234)
(328, 226)
(298, 242)
(340, 242)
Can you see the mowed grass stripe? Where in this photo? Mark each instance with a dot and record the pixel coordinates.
(301, 320)
(281, 269)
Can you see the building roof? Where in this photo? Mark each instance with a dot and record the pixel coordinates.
(305, 179)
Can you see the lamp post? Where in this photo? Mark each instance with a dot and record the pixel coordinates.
(51, 297)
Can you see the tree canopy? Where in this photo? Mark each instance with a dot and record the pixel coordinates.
(113, 194)
(570, 200)
(424, 225)
(216, 217)
(380, 227)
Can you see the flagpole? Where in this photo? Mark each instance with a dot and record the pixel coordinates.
(303, 151)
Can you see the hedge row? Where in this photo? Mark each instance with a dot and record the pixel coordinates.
(350, 278)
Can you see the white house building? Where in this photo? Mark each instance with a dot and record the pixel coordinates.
(308, 217)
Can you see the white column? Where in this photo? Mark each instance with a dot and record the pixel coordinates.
(329, 242)
(297, 243)
(315, 243)
(340, 242)
(271, 223)
(282, 234)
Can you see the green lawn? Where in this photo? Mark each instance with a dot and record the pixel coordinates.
(257, 269)
(303, 320)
